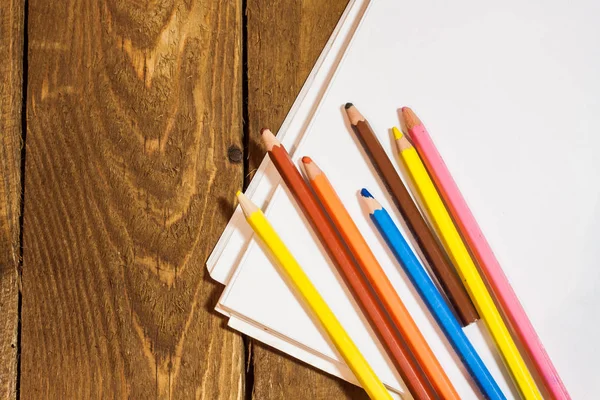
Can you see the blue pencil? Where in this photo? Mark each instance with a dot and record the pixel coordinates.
(432, 297)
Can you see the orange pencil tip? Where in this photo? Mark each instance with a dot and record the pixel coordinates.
(306, 159)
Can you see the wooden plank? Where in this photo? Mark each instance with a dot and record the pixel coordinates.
(279, 376)
(132, 108)
(11, 75)
(284, 40)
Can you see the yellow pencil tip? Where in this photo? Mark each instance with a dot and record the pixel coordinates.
(397, 133)
(237, 194)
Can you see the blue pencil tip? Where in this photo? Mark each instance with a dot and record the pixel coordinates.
(365, 193)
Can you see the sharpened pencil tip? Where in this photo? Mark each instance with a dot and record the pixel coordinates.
(410, 118)
(370, 204)
(238, 193)
(269, 139)
(311, 169)
(397, 133)
(246, 204)
(365, 193)
(353, 114)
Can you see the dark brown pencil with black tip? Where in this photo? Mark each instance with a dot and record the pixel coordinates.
(441, 267)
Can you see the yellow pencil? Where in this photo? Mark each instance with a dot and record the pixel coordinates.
(357, 363)
(465, 266)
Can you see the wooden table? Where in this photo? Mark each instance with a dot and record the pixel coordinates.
(139, 121)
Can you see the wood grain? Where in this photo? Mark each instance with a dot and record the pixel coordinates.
(11, 72)
(132, 108)
(279, 376)
(284, 40)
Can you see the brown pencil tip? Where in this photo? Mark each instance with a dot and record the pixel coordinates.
(410, 118)
(353, 114)
(306, 159)
(269, 139)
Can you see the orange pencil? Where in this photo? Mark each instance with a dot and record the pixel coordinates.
(376, 276)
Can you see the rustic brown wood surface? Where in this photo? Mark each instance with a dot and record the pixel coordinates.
(11, 74)
(135, 143)
(284, 40)
(131, 109)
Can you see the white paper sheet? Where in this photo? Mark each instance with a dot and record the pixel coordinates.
(509, 92)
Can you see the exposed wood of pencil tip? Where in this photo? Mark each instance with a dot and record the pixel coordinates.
(353, 114)
(269, 139)
(403, 143)
(311, 169)
(247, 206)
(410, 118)
(370, 203)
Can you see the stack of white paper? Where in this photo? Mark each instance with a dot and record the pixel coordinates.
(510, 93)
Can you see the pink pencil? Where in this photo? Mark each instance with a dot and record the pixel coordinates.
(484, 255)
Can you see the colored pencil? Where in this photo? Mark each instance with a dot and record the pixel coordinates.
(389, 336)
(383, 288)
(432, 298)
(466, 267)
(288, 264)
(440, 266)
(481, 250)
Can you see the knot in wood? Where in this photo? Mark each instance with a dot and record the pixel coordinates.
(234, 153)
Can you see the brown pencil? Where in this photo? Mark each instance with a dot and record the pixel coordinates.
(411, 374)
(441, 267)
